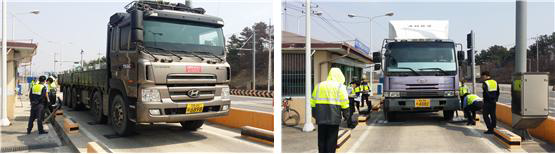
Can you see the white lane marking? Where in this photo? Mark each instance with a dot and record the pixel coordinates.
(230, 136)
(363, 136)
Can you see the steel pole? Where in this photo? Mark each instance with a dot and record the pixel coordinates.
(473, 62)
(520, 42)
(254, 58)
(537, 56)
(4, 99)
(308, 126)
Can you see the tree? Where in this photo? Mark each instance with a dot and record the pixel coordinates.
(240, 55)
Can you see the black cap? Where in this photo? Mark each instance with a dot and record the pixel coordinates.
(42, 78)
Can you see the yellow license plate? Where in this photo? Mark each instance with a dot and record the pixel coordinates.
(422, 103)
(194, 108)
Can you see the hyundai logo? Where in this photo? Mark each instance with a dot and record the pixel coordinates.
(193, 93)
(422, 80)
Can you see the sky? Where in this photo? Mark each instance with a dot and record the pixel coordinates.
(65, 27)
(492, 21)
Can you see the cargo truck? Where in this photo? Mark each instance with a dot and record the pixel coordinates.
(165, 62)
(420, 68)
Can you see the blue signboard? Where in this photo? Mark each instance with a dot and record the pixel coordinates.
(362, 46)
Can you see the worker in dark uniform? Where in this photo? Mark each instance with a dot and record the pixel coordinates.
(358, 95)
(52, 89)
(491, 95)
(329, 102)
(365, 94)
(39, 98)
(472, 103)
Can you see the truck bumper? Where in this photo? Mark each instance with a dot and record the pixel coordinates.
(408, 104)
(175, 112)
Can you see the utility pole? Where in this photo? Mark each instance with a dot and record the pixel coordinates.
(254, 58)
(4, 76)
(308, 126)
(81, 62)
(270, 49)
(520, 45)
(473, 62)
(537, 55)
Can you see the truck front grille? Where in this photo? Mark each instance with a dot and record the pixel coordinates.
(420, 94)
(180, 87)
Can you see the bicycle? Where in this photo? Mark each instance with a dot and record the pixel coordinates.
(289, 117)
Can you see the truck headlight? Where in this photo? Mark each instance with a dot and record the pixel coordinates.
(150, 95)
(392, 94)
(225, 93)
(449, 93)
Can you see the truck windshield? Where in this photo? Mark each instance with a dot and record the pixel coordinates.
(421, 57)
(183, 36)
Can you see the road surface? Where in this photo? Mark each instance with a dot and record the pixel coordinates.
(169, 137)
(252, 103)
(505, 96)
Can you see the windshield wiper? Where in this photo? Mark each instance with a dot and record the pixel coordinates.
(412, 70)
(212, 54)
(142, 48)
(435, 68)
(169, 51)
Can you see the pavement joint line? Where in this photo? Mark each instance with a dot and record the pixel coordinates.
(363, 136)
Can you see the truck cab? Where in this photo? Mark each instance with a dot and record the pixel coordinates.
(166, 63)
(420, 69)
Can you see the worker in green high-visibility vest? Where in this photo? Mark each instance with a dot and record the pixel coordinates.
(471, 104)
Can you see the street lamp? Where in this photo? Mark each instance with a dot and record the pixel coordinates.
(35, 12)
(350, 15)
(317, 13)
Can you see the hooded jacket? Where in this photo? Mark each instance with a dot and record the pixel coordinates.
(329, 98)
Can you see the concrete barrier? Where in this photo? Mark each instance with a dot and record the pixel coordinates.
(238, 118)
(70, 126)
(509, 139)
(97, 147)
(257, 134)
(545, 131)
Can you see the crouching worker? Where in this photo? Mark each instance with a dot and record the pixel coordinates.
(472, 103)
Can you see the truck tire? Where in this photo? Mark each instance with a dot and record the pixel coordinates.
(192, 125)
(65, 96)
(96, 108)
(72, 99)
(119, 116)
(389, 116)
(448, 115)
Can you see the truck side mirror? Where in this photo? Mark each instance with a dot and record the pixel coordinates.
(377, 57)
(137, 27)
(377, 67)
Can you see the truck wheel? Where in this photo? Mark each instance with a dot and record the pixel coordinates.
(448, 115)
(96, 108)
(65, 96)
(192, 125)
(119, 116)
(73, 98)
(389, 116)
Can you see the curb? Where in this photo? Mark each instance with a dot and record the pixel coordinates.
(255, 93)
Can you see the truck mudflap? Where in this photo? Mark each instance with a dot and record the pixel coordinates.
(424, 104)
(177, 112)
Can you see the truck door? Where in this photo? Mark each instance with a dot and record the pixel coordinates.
(124, 59)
